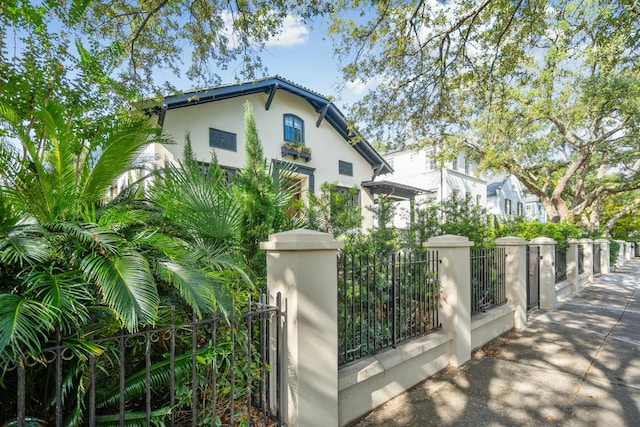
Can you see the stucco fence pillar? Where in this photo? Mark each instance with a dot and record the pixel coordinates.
(547, 276)
(302, 266)
(516, 276)
(604, 255)
(455, 284)
(572, 265)
(587, 247)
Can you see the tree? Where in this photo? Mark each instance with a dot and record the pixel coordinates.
(264, 193)
(548, 91)
(67, 253)
(334, 211)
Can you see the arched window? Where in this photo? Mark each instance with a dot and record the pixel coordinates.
(293, 129)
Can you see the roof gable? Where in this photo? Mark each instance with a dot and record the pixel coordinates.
(270, 85)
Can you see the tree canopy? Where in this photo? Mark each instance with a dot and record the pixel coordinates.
(548, 90)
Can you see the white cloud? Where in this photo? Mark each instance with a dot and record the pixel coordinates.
(294, 32)
(358, 86)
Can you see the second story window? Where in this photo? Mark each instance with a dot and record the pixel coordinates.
(293, 129)
(454, 164)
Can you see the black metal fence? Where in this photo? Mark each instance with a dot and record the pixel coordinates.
(561, 264)
(597, 254)
(580, 259)
(385, 299)
(218, 372)
(488, 277)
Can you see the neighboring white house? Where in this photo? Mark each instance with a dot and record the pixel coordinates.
(535, 209)
(296, 126)
(505, 197)
(421, 169)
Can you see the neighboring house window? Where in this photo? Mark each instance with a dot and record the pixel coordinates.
(355, 197)
(293, 129)
(454, 164)
(520, 209)
(529, 209)
(345, 168)
(467, 195)
(221, 139)
(431, 164)
(455, 194)
(507, 206)
(467, 168)
(478, 200)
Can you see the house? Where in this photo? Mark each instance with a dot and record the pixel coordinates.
(505, 197)
(421, 169)
(534, 209)
(296, 126)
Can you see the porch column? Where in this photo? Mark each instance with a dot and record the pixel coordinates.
(302, 266)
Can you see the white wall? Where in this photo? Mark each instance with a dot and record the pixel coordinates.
(327, 146)
(512, 190)
(415, 168)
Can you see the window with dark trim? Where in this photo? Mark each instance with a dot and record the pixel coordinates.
(293, 129)
(507, 206)
(454, 164)
(345, 168)
(520, 208)
(355, 195)
(221, 139)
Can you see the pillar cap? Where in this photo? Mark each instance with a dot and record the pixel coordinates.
(601, 241)
(448, 241)
(301, 240)
(511, 241)
(542, 241)
(585, 240)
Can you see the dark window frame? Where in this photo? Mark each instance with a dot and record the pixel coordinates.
(224, 140)
(291, 132)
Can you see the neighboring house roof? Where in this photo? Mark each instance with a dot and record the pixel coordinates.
(492, 189)
(327, 110)
(394, 190)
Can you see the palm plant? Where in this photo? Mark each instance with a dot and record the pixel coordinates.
(70, 258)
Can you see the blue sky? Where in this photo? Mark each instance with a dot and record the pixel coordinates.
(303, 54)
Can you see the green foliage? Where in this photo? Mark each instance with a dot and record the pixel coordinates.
(614, 250)
(264, 196)
(457, 216)
(384, 237)
(560, 232)
(334, 210)
(548, 91)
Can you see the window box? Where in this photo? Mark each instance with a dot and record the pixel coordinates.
(296, 150)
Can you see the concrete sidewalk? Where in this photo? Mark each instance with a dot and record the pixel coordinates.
(578, 365)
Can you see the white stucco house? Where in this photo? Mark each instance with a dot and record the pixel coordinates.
(534, 209)
(296, 126)
(505, 197)
(420, 169)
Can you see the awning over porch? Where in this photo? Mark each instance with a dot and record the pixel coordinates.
(394, 190)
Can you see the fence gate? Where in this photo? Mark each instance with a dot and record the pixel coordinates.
(533, 277)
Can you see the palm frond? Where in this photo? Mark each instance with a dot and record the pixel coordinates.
(23, 245)
(122, 141)
(64, 291)
(135, 419)
(88, 235)
(127, 285)
(24, 326)
(194, 287)
(160, 374)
